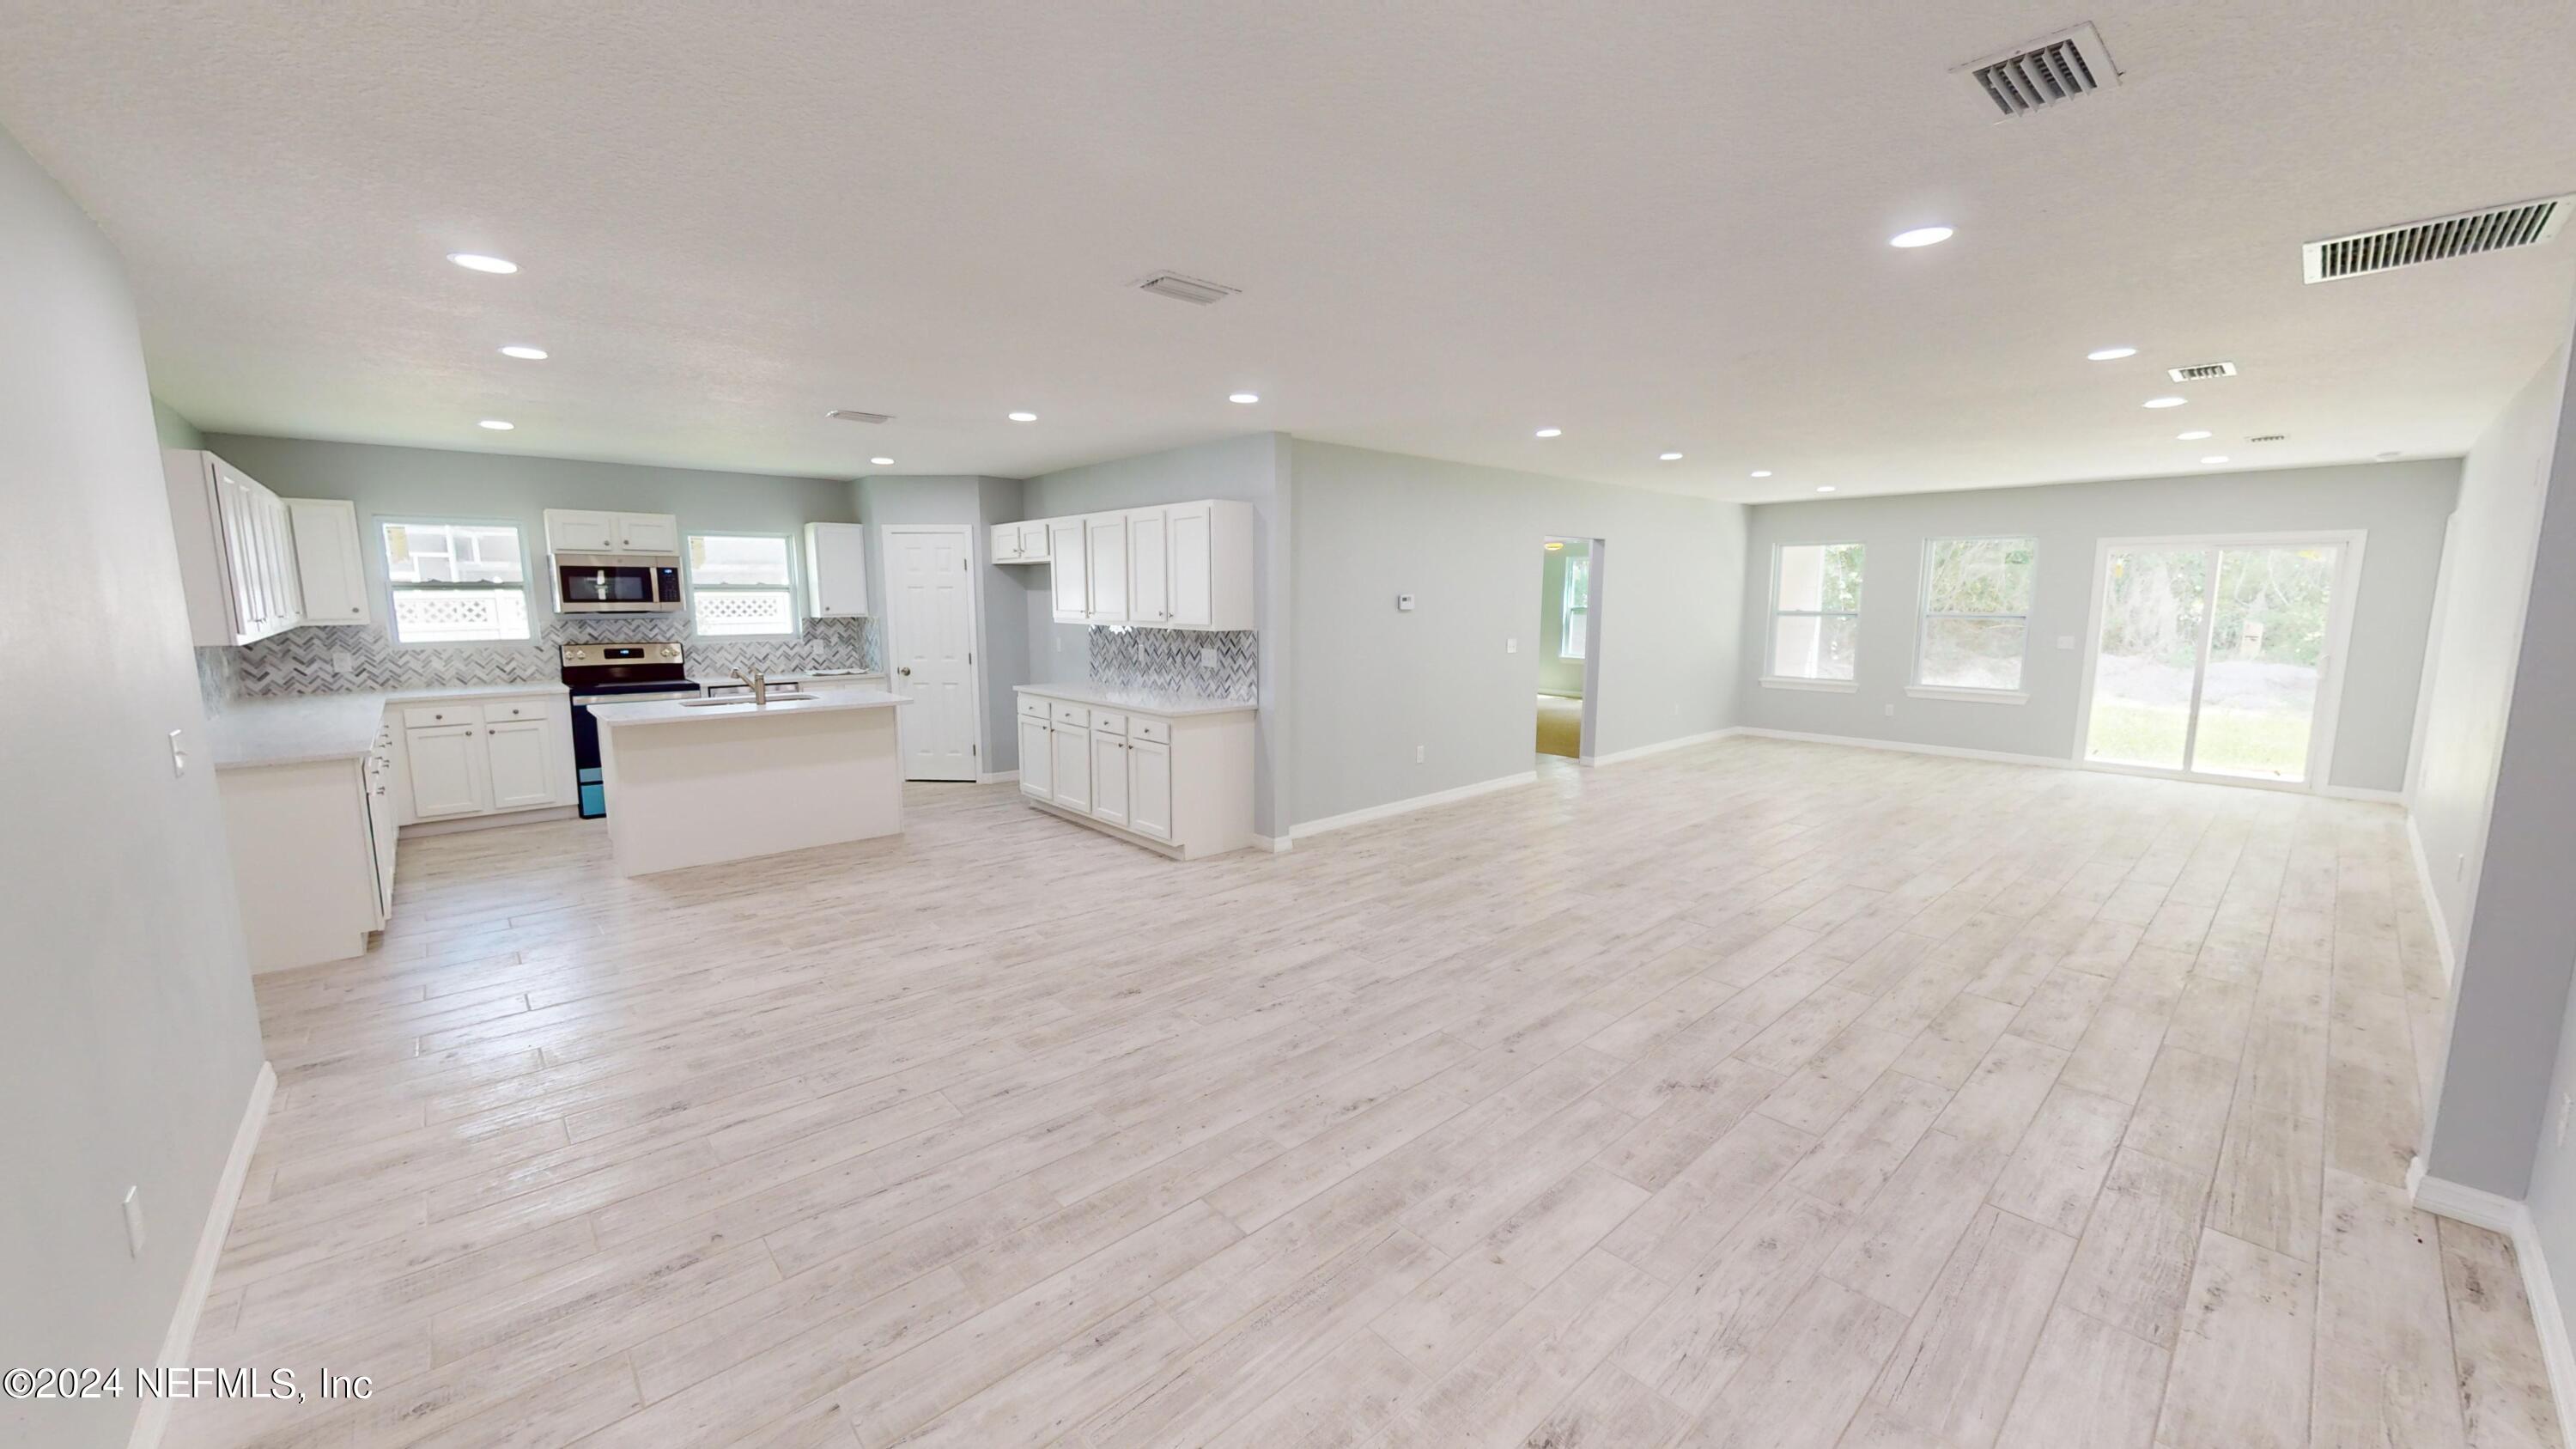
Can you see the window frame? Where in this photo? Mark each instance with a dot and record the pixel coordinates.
(384, 564)
(1573, 621)
(794, 590)
(1772, 678)
(1924, 614)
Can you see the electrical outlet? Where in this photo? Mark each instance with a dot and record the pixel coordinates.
(134, 1221)
(2460, 867)
(1511, 646)
(1417, 754)
(178, 755)
(2065, 641)
(1891, 711)
(1208, 659)
(2566, 1105)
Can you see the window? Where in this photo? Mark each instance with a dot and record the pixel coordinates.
(741, 586)
(1976, 613)
(456, 583)
(1576, 608)
(1815, 611)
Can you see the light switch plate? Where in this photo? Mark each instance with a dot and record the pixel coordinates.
(134, 1221)
(1511, 646)
(178, 756)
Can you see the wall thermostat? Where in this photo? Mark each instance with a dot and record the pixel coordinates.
(1404, 602)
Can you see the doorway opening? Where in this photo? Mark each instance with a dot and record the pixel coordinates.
(930, 649)
(2219, 658)
(1568, 646)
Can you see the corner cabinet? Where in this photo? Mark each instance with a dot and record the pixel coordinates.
(330, 563)
(1179, 783)
(836, 571)
(1173, 566)
(237, 561)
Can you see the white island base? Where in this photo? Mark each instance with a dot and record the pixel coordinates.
(694, 786)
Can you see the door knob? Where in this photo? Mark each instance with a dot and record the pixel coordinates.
(904, 669)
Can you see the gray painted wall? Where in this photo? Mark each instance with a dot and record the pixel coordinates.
(1557, 674)
(2401, 505)
(130, 1042)
(2498, 785)
(1253, 468)
(1002, 625)
(1373, 683)
(174, 430)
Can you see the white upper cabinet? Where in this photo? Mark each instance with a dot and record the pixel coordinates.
(1017, 543)
(237, 560)
(836, 570)
(1149, 567)
(1105, 542)
(572, 530)
(1211, 565)
(330, 566)
(1033, 542)
(1067, 552)
(1006, 543)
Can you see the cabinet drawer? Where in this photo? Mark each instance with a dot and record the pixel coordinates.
(1150, 729)
(1032, 707)
(423, 716)
(1072, 714)
(514, 709)
(1108, 722)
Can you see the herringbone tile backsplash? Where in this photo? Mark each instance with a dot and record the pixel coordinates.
(1169, 661)
(329, 659)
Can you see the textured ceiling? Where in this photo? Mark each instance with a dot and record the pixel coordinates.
(1658, 225)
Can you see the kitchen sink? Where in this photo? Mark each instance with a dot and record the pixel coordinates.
(740, 699)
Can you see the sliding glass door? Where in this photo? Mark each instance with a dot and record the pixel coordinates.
(2215, 657)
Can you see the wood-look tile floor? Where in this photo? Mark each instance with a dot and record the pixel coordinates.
(1754, 1094)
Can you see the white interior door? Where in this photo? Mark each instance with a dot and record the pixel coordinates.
(930, 648)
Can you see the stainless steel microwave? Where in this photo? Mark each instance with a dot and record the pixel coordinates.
(617, 583)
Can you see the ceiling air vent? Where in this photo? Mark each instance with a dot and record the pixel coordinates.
(853, 415)
(2042, 74)
(2201, 370)
(1186, 289)
(2524, 223)
(2269, 438)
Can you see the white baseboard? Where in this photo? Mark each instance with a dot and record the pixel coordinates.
(1304, 828)
(997, 777)
(1275, 844)
(1908, 747)
(2432, 901)
(1659, 746)
(155, 1416)
(2356, 792)
(2511, 1217)
(465, 823)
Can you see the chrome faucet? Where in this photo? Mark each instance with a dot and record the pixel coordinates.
(758, 679)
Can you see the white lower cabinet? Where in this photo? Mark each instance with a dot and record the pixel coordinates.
(462, 758)
(1181, 783)
(312, 846)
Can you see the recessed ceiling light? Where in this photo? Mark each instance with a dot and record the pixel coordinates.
(1824, 488)
(496, 425)
(1243, 397)
(1668, 457)
(2213, 460)
(2110, 354)
(882, 462)
(1554, 544)
(524, 353)
(1024, 417)
(2165, 402)
(1551, 432)
(2194, 436)
(1761, 472)
(1921, 236)
(477, 262)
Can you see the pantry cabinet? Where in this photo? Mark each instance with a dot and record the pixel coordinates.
(330, 564)
(1177, 781)
(836, 570)
(237, 563)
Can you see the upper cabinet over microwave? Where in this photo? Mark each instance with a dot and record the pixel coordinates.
(575, 531)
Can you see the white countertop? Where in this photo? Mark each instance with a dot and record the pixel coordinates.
(1107, 697)
(675, 711)
(303, 729)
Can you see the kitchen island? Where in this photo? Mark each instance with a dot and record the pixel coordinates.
(694, 783)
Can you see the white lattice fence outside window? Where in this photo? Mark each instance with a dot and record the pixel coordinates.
(449, 616)
(745, 612)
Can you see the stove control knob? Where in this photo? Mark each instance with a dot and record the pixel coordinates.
(669, 652)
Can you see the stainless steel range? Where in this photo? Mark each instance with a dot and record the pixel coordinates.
(615, 673)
